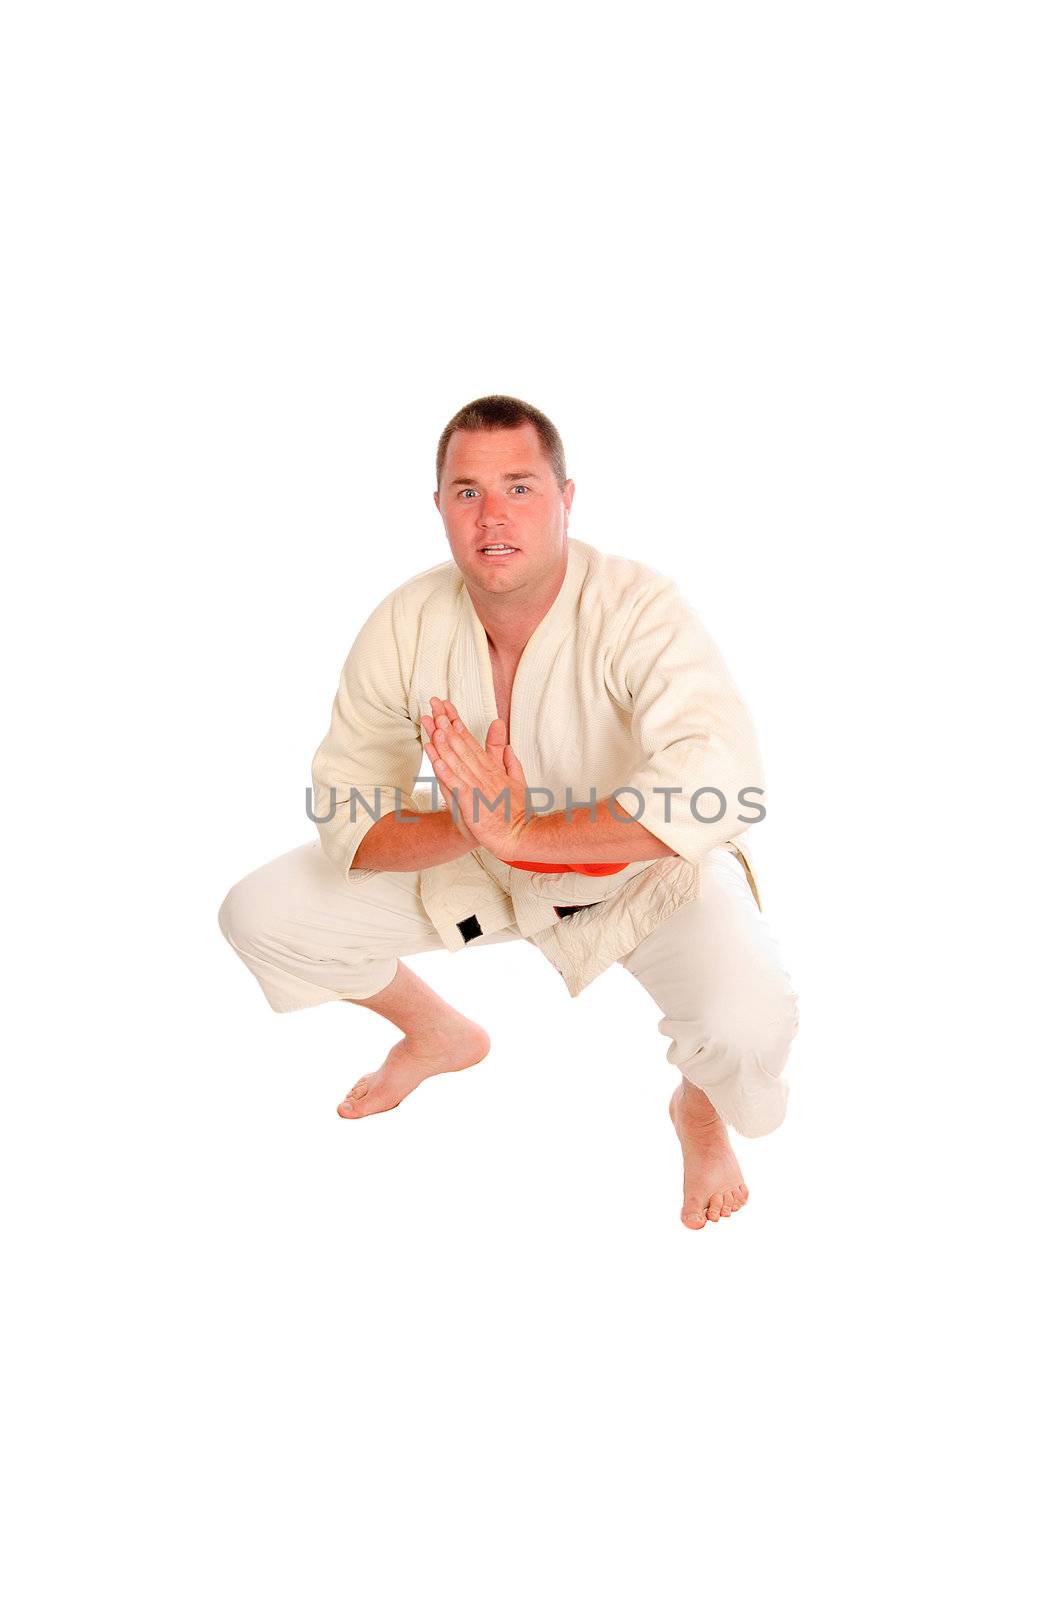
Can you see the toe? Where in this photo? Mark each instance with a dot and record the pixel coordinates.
(693, 1214)
(349, 1105)
(713, 1209)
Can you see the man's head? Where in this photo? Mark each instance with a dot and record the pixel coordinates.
(500, 475)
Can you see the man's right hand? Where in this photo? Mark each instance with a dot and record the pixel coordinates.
(392, 846)
(428, 725)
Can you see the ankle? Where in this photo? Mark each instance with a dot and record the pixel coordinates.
(428, 1035)
(693, 1099)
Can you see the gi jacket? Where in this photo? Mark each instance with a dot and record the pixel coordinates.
(618, 687)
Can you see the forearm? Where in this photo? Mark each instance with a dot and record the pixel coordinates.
(581, 837)
(410, 840)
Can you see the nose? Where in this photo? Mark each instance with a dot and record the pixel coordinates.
(493, 512)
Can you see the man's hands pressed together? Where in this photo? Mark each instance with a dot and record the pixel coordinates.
(461, 766)
(605, 833)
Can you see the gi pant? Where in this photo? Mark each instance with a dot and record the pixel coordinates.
(309, 934)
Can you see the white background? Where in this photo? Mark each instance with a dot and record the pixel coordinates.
(788, 280)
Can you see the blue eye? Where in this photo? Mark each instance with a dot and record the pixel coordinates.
(465, 492)
(520, 488)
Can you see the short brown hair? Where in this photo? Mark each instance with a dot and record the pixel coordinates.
(495, 411)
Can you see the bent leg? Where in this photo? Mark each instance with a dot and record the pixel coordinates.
(727, 1004)
(308, 934)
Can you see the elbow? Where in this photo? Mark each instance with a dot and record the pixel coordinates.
(749, 768)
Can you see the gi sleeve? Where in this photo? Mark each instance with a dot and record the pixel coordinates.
(373, 746)
(692, 730)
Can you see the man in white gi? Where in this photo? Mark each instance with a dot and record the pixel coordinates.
(592, 765)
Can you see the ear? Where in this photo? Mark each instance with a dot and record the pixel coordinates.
(436, 501)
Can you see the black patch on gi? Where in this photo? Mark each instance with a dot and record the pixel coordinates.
(470, 928)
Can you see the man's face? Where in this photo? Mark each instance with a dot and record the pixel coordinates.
(498, 488)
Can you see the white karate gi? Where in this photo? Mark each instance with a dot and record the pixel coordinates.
(619, 686)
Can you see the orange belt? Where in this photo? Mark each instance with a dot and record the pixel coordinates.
(592, 869)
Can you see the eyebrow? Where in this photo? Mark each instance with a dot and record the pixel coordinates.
(510, 477)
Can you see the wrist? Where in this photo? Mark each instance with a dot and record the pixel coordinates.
(520, 842)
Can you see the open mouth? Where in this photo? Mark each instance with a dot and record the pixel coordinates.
(498, 552)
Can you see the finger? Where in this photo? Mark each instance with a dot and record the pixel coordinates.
(469, 790)
(514, 770)
(464, 753)
(449, 781)
(437, 710)
(476, 755)
(437, 763)
(495, 746)
(475, 767)
(439, 759)
(435, 756)
(448, 712)
(448, 709)
(453, 807)
(444, 708)
(450, 800)
(441, 786)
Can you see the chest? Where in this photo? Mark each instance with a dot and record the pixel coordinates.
(556, 702)
(502, 677)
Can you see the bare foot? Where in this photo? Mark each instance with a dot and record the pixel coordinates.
(713, 1186)
(415, 1058)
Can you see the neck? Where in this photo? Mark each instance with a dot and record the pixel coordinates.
(511, 620)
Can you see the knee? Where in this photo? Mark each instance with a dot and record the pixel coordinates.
(735, 1053)
(734, 1032)
(229, 913)
(242, 914)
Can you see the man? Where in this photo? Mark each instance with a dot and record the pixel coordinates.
(541, 678)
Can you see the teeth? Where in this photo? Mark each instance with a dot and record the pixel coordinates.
(499, 547)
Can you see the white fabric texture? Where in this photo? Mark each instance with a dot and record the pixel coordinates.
(309, 934)
(619, 685)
